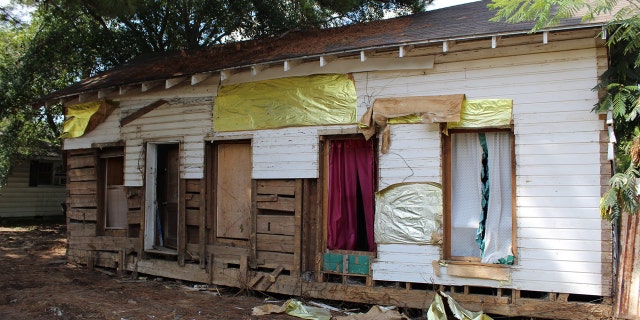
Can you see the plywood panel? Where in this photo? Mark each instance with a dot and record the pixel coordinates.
(233, 190)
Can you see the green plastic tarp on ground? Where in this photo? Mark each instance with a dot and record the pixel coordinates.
(408, 213)
(326, 99)
(484, 113)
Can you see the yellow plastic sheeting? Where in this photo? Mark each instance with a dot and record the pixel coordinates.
(437, 310)
(408, 213)
(484, 113)
(84, 117)
(289, 102)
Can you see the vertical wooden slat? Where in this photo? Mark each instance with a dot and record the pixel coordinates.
(202, 228)
(253, 234)
(182, 222)
(297, 236)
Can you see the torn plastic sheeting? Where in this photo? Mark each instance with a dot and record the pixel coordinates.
(288, 102)
(438, 310)
(484, 113)
(429, 109)
(84, 117)
(376, 313)
(294, 308)
(408, 213)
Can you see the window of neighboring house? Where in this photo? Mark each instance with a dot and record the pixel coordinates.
(114, 192)
(351, 169)
(479, 167)
(45, 173)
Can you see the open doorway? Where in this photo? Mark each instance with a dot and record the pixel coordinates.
(162, 197)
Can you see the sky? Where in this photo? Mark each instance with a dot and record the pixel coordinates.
(437, 4)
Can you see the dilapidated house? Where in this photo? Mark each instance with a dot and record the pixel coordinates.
(374, 163)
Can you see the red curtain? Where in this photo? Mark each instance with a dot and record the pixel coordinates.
(351, 195)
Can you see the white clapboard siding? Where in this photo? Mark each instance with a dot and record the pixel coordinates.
(17, 199)
(187, 122)
(134, 162)
(558, 161)
(286, 153)
(106, 132)
(414, 155)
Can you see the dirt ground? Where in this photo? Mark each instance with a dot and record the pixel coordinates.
(36, 282)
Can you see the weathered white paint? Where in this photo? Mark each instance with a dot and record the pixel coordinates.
(187, 121)
(557, 166)
(286, 153)
(17, 199)
(414, 155)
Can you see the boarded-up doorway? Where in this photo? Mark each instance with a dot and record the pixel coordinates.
(233, 190)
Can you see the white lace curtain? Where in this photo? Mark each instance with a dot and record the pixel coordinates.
(466, 197)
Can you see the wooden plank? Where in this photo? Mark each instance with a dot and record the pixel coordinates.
(226, 250)
(142, 111)
(276, 243)
(84, 174)
(192, 217)
(82, 161)
(82, 187)
(275, 224)
(274, 259)
(297, 238)
(81, 229)
(282, 204)
(135, 217)
(479, 271)
(192, 200)
(266, 197)
(202, 225)
(182, 223)
(277, 187)
(82, 214)
(193, 185)
(82, 201)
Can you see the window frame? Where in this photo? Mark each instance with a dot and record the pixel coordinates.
(326, 141)
(447, 193)
(103, 157)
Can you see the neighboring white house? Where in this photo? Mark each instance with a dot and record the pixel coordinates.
(34, 188)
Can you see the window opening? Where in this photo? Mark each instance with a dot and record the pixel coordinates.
(481, 196)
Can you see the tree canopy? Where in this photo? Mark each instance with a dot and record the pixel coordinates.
(59, 42)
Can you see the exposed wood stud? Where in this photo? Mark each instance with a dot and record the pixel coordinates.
(197, 78)
(102, 93)
(325, 60)
(257, 68)
(545, 37)
(494, 42)
(84, 97)
(146, 86)
(363, 56)
(445, 46)
(404, 50)
(173, 82)
(226, 74)
(290, 64)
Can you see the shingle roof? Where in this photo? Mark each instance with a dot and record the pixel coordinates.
(459, 22)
